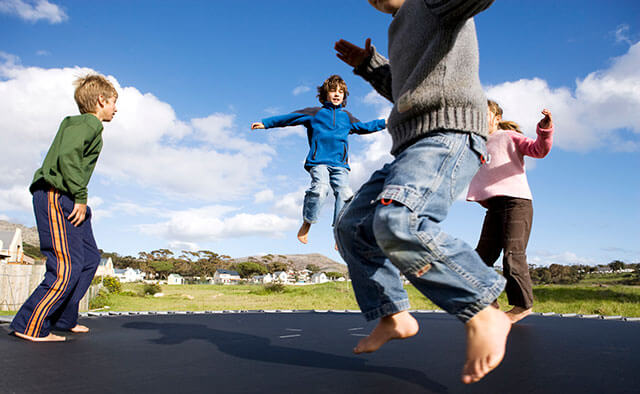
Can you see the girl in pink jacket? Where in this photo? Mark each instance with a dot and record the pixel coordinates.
(501, 186)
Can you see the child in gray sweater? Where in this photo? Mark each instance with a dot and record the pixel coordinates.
(438, 127)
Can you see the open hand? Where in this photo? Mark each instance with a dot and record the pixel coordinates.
(257, 125)
(78, 214)
(546, 122)
(352, 54)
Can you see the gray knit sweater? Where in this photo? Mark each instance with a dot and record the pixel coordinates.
(432, 72)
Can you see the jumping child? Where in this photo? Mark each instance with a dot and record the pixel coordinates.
(438, 127)
(328, 128)
(63, 218)
(501, 186)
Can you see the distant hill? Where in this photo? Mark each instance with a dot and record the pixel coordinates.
(29, 234)
(298, 261)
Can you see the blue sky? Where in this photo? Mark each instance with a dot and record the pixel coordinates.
(181, 169)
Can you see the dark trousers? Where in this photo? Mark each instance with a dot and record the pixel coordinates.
(506, 229)
(72, 261)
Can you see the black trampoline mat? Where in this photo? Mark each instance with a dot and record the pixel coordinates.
(310, 352)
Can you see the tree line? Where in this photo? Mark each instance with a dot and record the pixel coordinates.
(203, 263)
(568, 274)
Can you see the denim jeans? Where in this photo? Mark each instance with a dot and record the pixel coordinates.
(324, 177)
(392, 226)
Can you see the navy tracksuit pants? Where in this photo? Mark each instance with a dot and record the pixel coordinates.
(72, 261)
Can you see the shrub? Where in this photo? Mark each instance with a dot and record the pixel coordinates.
(275, 288)
(128, 293)
(99, 301)
(112, 284)
(151, 289)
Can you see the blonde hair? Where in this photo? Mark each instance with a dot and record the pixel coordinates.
(503, 124)
(331, 83)
(509, 125)
(89, 88)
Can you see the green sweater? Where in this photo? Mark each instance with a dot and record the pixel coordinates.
(72, 157)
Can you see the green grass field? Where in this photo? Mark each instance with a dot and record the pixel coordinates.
(589, 297)
(611, 300)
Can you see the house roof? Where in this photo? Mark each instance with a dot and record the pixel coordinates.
(104, 260)
(6, 237)
(228, 272)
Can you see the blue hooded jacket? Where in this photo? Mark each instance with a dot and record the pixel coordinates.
(328, 128)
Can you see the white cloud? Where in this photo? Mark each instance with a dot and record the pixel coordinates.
(545, 259)
(16, 197)
(215, 222)
(622, 34)
(592, 116)
(263, 196)
(43, 52)
(377, 145)
(145, 145)
(33, 11)
(290, 204)
(284, 132)
(300, 89)
(178, 245)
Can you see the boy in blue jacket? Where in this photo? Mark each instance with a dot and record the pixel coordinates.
(328, 128)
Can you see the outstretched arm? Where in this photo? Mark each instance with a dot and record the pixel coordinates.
(541, 146)
(293, 119)
(367, 63)
(368, 127)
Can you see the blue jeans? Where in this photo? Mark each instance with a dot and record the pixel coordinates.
(324, 177)
(391, 227)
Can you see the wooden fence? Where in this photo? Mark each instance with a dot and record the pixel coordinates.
(17, 281)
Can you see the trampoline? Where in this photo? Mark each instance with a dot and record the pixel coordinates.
(310, 352)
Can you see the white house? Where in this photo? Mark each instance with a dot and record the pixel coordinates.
(319, 277)
(267, 278)
(175, 279)
(11, 246)
(226, 277)
(129, 275)
(303, 275)
(281, 277)
(105, 268)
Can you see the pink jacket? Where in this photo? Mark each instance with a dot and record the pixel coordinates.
(504, 174)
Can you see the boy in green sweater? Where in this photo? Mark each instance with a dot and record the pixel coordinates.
(63, 218)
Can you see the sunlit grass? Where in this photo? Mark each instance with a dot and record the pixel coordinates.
(585, 298)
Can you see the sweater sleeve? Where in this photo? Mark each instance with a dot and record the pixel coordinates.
(457, 10)
(538, 148)
(70, 160)
(368, 127)
(293, 119)
(377, 72)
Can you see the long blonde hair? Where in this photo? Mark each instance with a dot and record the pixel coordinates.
(503, 124)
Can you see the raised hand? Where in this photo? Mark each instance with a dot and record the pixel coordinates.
(257, 125)
(352, 54)
(547, 121)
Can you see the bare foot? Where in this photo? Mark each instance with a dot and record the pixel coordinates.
(48, 338)
(518, 313)
(303, 233)
(487, 335)
(78, 329)
(400, 325)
